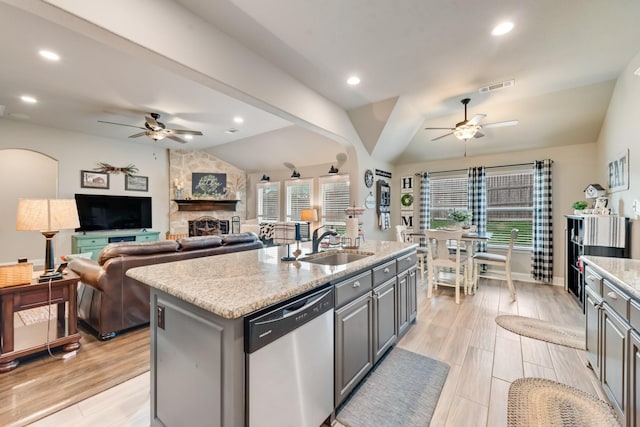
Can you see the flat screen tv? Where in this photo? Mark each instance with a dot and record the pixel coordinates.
(100, 212)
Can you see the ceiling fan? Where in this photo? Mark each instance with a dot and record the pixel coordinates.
(468, 129)
(156, 130)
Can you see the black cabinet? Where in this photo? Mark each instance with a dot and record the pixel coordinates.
(574, 271)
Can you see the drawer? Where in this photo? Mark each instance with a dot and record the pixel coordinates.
(405, 262)
(147, 238)
(96, 241)
(618, 300)
(384, 272)
(634, 314)
(593, 280)
(352, 288)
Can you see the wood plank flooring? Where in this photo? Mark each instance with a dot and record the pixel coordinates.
(484, 358)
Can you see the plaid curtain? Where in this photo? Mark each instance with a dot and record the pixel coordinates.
(425, 215)
(477, 190)
(542, 254)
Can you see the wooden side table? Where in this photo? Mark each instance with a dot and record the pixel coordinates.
(32, 338)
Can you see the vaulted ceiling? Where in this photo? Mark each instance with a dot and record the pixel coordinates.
(416, 60)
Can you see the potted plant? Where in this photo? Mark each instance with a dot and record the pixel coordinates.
(460, 216)
(579, 206)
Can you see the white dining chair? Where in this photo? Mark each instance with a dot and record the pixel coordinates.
(439, 256)
(498, 260)
(403, 236)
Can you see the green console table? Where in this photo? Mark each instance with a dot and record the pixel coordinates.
(95, 241)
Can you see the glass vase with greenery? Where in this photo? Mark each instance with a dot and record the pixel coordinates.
(460, 216)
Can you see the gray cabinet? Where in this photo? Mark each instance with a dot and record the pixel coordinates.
(403, 303)
(593, 304)
(633, 414)
(353, 342)
(614, 358)
(412, 301)
(384, 318)
(199, 380)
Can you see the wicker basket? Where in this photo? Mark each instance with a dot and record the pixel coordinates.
(16, 274)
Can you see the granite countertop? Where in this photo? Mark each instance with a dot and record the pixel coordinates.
(624, 272)
(239, 283)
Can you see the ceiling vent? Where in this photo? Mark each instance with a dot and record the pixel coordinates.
(232, 130)
(497, 86)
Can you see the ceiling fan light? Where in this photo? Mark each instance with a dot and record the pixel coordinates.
(157, 135)
(466, 131)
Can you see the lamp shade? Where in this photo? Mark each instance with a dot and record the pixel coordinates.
(46, 214)
(309, 215)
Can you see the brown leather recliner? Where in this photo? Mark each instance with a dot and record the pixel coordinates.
(110, 302)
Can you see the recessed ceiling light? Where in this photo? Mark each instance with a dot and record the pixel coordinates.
(29, 99)
(353, 80)
(637, 72)
(51, 56)
(188, 137)
(502, 28)
(238, 119)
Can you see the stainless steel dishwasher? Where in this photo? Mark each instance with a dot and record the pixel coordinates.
(289, 361)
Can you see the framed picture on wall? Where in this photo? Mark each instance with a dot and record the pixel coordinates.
(619, 172)
(136, 183)
(92, 179)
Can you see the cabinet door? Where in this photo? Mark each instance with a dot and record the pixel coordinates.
(633, 416)
(614, 358)
(413, 295)
(592, 322)
(403, 303)
(384, 318)
(354, 339)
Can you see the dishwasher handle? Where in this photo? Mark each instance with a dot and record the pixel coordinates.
(266, 327)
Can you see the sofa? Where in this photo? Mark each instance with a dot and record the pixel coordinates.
(110, 302)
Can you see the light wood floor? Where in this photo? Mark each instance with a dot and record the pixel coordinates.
(484, 358)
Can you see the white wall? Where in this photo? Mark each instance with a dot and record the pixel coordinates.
(573, 169)
(75, 152)
(620, 132)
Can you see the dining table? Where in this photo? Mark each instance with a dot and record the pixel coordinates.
(471, 237)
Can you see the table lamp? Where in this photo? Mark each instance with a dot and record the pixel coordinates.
(309, 216)
(47, 216)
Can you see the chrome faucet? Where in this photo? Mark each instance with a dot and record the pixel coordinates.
(315, 242)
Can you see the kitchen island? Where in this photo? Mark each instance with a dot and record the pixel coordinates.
(198, 308)
(612, 317)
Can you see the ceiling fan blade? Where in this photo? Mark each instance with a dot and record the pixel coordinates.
(175, 138)
(136, 135)
(476, 119)
(439, 128)
(120, 124)
(478, 135)
(184, 132)
(442, 136)
(500, 124)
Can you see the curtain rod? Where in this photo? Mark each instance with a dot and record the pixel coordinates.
(488, 167)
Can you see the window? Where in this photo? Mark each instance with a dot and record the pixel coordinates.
(447, 192)
(510, 204)
(268, 202)
(335, 199)
(299, 194)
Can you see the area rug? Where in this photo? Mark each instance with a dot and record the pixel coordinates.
(569, 336)
(542, 402)
(402, 390)
(42, 385)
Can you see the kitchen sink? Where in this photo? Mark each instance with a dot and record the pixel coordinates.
(335, 257)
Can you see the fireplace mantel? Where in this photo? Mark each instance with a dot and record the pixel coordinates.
(206, 205)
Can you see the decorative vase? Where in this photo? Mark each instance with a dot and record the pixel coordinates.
(178, 194)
